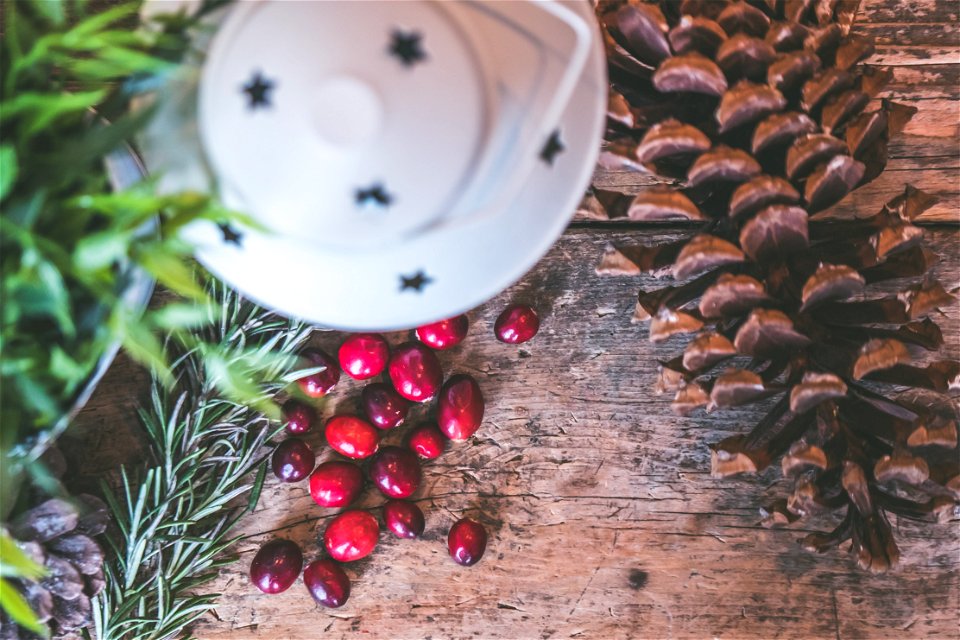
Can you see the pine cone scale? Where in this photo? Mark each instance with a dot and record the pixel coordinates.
(786, 130)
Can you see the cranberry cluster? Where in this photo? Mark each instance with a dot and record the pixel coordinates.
(416, 377)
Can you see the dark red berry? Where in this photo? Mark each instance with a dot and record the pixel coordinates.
(404, 519)
(467, 541)
(352, 436)
(336, 483)
(276, 566)
(396, 472)
(516, 324)
(444, 334)
(384, 407)
(321, 383)
(351, 535)
(364, 355)
(415, 372)
(460, 408)
(426, 441)
(298, 416)
(292, 460)
(327, 583)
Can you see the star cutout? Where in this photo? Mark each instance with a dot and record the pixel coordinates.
(258, 91)
(230, 235)
(407, 47)
(374, 196)
(552, 149)
(416, 281)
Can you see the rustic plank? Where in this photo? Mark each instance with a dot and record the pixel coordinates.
(604, 521)
(908, 12)
(603, 518)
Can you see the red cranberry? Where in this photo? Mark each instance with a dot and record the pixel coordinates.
(444, 334)
(336, 483)
(415, 372)
(321, 383)
(292, 460)
(396, 472)
(467, 541)
(516, 324)
(426, 441)
(352, 436)
(327, 583)
(384, 407)
(460, 408)
(351, 535)
(364, 355)
(405, 519)
(298, 416)
(276, 566)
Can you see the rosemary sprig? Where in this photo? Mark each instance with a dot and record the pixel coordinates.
(174, 515)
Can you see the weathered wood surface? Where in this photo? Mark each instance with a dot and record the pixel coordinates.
(920, 41)
(604, 520)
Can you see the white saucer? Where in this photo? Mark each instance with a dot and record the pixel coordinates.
(431, 275)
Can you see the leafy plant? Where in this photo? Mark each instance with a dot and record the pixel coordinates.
(174, 515)
(69, 244)
(72, 245)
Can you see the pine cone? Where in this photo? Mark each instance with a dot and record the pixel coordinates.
(739, 106)
(58, 534)
(751, 115)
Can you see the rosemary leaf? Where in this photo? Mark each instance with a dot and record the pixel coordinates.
(205, 455)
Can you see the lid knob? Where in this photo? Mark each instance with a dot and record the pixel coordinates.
(347, 111)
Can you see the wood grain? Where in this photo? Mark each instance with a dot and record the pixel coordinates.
(604, 520)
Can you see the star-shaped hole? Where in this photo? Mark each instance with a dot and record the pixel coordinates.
(230, 235)
(374, 196)
(416, 282)
(552, 148)
(258, 90)
(407, 47)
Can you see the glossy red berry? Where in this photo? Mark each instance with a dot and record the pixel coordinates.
(444, 334)
(351, 535)
(460, 407)
(415, 372)
(351, 436)
(396, 472)
(383, 406)
(404, 519)
(327, 583)
(276, 566)
(516, 324)
(321, 383)
(292, 460)
(364, 355)
(298, 416)
(426, 441)
(336, 483)
(467, 541)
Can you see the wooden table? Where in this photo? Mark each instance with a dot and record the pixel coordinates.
(604, 520)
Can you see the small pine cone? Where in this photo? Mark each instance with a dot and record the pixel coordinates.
(754, 116)
(58, 535)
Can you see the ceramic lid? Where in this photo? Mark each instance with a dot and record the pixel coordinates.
(527, 140)
(340, 125)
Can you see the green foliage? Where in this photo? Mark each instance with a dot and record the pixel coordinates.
(175, 513)
(69, 244)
